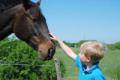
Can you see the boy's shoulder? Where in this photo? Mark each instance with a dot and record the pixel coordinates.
(97, 73)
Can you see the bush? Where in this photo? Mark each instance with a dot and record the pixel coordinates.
(77, 44)
(20, 62)
(114, 46)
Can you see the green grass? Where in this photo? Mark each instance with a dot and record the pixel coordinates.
(109, 65)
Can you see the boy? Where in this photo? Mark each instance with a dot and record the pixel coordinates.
(88, 59)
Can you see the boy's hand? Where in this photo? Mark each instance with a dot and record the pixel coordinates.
(53, 37)
(67, 50)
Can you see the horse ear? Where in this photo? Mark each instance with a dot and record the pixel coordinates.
(39, 2)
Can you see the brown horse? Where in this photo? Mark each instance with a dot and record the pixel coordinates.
(29, 26)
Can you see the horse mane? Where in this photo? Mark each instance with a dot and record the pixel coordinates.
(7, 4)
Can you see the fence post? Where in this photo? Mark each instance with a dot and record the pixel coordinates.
(57, 66)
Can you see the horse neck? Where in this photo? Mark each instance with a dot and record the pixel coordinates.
(7, 4)
(14, 10)
(8, 15)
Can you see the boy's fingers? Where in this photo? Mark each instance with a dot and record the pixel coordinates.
(50, 34)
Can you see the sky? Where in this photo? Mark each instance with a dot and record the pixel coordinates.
(75, 20)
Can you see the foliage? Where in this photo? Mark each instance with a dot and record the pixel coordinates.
(114, 46)
(17, 52)
(20, 62)
(77, 44)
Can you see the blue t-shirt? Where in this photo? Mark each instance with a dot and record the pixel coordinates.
(93, 74)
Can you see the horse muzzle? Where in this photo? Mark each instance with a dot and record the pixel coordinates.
(51, 53)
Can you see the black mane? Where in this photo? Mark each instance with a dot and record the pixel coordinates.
(7, 4)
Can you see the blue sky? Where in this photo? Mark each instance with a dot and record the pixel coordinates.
(75, 20)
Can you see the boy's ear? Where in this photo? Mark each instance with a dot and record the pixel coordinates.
(88, 59)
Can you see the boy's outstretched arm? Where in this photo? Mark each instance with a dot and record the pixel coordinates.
(67, 49)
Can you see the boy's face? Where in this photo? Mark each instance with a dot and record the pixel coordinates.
(84, 59)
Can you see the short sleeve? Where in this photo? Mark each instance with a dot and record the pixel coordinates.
(77, 61)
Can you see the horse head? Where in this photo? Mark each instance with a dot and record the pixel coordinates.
(32, 28)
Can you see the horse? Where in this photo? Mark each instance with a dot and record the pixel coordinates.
(29, 26)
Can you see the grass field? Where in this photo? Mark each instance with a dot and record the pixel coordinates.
(110, 65)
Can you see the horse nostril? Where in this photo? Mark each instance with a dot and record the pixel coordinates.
(51, 52)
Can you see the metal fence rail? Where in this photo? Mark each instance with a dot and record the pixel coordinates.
(56, 61)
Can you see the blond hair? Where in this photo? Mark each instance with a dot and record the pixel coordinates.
(94, 49)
